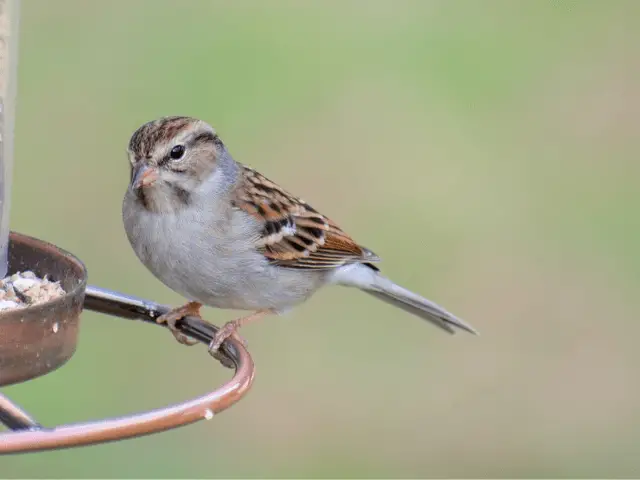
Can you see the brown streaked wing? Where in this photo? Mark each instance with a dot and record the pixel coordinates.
(295, 235)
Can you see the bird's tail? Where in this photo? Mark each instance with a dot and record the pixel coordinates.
(368, 279)
(389, 292)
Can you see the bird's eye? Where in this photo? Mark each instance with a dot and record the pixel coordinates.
(177, 152)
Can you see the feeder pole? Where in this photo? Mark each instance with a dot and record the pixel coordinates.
(9, 16)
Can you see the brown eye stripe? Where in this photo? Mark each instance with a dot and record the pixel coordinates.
(205, 137)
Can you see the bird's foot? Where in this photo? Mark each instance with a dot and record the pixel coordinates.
(230, 329)
(172, 317)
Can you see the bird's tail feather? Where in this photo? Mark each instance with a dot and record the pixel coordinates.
(389, 292)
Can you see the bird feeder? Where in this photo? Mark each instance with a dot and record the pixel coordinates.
(39, 338)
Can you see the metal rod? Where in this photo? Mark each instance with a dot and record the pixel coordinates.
(14, 417)
(37, 438)
(9, 19)
(117, 304)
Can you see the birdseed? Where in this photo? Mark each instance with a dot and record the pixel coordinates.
(24, 289)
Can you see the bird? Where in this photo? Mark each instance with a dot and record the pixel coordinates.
(223, 235)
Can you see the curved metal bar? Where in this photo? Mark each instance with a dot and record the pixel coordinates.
(38, 438)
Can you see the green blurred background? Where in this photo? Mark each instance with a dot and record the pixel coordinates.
(487, 150)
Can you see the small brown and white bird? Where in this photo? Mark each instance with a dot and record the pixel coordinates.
(223, 235)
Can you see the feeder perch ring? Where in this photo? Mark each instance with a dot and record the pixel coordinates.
(32, 347)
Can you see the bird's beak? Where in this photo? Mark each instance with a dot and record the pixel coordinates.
(143, 176)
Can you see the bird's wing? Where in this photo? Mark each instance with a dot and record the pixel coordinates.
(295, 235)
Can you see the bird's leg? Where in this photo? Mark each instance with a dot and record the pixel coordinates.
(231, 328)
(172, 316)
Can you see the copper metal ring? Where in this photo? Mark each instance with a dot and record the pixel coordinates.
(29, 436)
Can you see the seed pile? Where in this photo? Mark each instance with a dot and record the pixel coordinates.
(24, 289)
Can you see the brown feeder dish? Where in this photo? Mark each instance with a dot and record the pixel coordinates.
(40, 338)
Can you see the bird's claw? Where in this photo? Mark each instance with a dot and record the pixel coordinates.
(181, 337)
(173, 316)
(229, 329)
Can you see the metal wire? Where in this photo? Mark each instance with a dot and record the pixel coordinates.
(29, 436)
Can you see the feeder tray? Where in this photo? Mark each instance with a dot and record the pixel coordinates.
(38, 339)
